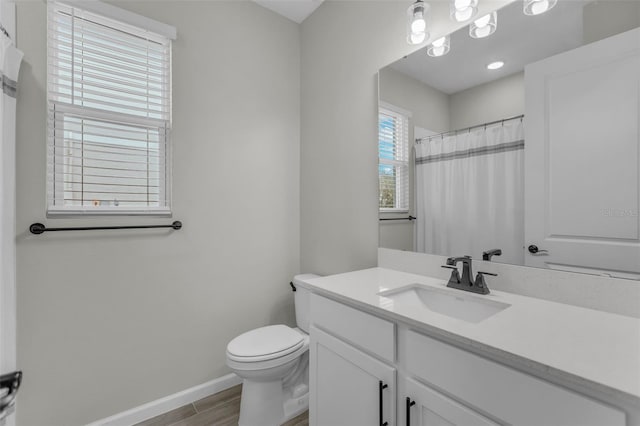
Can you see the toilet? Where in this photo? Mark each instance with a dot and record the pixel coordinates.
(273, 362)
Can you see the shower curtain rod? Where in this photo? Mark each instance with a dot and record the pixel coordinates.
(441, 135)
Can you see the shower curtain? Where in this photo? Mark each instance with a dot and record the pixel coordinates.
(470, 193)
(10, 59)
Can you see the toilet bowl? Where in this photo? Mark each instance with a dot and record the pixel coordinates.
(273, 362)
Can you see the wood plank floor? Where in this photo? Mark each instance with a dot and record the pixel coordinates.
(221, 409)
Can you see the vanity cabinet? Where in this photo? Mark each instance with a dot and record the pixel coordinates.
(350, 388)
(508, 395)
(359, 374)
(428, 407)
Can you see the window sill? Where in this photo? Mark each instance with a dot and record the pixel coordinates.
(394, 211)
(75, 212)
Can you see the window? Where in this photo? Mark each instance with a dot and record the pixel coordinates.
(393, 160)
(109, 103)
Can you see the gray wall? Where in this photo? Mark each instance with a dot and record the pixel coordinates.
(488, 102)
(111, 320)
(344, 44)
(604, 19)
(429, 107)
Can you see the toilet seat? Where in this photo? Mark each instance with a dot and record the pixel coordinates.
(265, 344)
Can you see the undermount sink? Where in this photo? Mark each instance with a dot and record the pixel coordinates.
(452, 303)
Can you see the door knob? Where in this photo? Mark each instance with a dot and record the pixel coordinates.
(533, 249)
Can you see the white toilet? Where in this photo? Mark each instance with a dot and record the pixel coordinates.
(273, 363)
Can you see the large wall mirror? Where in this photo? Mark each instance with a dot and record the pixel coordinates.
(522, 147)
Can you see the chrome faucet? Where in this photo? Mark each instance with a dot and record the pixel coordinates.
(466, 283)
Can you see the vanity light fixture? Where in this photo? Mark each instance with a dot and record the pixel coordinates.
(485, 26)
(417, 22)
(439, 47)
(495, 65)
(463, 10)
(536, 7)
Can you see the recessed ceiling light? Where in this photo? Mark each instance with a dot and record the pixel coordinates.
(495, 65)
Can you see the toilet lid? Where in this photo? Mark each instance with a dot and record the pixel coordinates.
(266, 342)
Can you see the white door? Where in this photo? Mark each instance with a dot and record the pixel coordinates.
(582, 159)
(348, 387)
(426, 407)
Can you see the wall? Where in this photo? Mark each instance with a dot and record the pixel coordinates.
(110, 320)
(344, 44)
(488, 102)
(602, 19)
(430, 110)
(429, 107)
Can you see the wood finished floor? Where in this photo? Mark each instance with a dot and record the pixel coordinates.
(221, 409)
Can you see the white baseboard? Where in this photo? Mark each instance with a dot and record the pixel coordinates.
(168, 403)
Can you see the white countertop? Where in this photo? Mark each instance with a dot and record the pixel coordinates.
(590, 348)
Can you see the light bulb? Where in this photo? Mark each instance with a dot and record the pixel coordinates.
(461, 4)
(439, 47)
(485, 26)
(537, 7)
(418, 25)
(417, 22)
(439, 42)
(464, 14)
(495, 65)
(438, 50)
(463, 10)
(482, 32)
(482, 22)
(417, 38)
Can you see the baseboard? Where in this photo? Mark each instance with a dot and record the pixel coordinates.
(168, 403)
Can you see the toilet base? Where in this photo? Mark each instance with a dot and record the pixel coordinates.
(295, 406)
(263, 404)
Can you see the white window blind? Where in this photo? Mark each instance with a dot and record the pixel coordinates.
(393, 160)
(109, 102)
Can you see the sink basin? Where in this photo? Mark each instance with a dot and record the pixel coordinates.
(452, 303)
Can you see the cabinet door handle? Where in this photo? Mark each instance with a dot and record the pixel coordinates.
(410, 404)
(381, 387)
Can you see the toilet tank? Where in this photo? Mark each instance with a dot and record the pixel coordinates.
(301, 300)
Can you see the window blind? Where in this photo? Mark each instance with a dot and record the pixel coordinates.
(393, 160)
(109, 106)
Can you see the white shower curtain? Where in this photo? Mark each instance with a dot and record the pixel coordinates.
(470, 193)
(10, 59)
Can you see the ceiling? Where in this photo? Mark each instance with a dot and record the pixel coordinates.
(296, 10)
(519, 40)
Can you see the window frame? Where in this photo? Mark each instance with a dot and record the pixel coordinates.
(402, 197)
(58, 110)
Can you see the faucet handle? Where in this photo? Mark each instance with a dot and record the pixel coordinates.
(454, 279)
(481, 284)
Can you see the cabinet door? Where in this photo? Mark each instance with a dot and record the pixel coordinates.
(348, 387)
(426, 407)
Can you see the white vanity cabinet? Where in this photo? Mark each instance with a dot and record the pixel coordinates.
(351, 388)
(362, 367)
(428, 407)
(502, 393)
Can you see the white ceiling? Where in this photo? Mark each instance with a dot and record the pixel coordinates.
(518, 41)
(296, 10)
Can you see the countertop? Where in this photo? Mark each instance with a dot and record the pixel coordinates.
(592, 349)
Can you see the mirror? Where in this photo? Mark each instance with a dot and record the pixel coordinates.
(533, 160)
